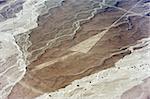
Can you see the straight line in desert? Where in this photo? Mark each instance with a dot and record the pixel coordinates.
(82, 47)
(23, 84)
(86, 45)
(46, 64)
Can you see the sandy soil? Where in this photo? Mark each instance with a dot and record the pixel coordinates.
(63, 52)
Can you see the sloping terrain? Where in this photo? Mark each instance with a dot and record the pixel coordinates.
(74, 49)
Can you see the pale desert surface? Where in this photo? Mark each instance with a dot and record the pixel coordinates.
(74, 49)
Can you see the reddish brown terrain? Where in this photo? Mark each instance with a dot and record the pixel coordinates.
(71, 43)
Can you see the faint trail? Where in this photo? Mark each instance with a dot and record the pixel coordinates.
(46, 64)
(23, 84)
(128, 49)
(124, 14)
(72, 35)
(132, 12)
(87, 44)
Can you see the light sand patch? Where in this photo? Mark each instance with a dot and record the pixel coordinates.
(87, 44)
(110, 83)
(46, 64)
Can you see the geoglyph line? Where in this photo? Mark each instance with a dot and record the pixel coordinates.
(77, 25)
(46, 64)
(23, 84)
(119, 8)
(86, 45)
(90, 40)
